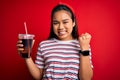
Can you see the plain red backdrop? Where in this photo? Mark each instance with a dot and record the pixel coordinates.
(101, 18)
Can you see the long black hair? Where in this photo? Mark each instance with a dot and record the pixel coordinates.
(66, 8)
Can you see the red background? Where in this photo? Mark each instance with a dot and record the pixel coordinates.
(100, 18)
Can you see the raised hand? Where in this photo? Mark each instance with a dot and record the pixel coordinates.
(84, 41)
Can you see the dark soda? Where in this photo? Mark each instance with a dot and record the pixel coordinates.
(27, 45)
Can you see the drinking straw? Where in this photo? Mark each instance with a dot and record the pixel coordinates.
(25, 28)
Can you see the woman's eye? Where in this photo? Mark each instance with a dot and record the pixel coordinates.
(65, 22)
(55, 23)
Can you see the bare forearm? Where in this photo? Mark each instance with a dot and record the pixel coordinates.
(85, 71)
(33, 69)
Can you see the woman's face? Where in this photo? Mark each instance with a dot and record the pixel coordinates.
(63, 25)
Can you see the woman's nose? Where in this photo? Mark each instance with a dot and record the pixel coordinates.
(61, 26)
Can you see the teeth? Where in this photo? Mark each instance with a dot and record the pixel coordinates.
(62, 33)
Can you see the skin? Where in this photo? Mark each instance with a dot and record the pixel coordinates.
(85, 71)
(62, 27)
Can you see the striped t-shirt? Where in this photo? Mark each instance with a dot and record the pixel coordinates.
(60, 59)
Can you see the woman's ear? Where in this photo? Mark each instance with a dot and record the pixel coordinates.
(73, 24)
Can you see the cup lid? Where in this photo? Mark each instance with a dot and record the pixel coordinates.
(26, 36)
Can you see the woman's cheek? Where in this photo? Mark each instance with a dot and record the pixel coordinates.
(55, 31)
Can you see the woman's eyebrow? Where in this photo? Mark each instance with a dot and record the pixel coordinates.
(54, 20)
(65, 20)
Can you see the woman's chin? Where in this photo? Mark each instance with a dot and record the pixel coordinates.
(64, 38)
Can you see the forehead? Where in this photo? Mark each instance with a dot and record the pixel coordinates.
(62, 14)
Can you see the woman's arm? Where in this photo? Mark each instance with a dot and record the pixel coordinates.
(36, 72)
(85, 71)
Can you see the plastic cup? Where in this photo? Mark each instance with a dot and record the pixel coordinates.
(27, 41)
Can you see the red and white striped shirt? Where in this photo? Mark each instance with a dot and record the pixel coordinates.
(60, 59)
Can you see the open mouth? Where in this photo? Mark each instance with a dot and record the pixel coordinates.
(61, 33)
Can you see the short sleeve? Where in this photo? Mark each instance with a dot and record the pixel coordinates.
(39, 58)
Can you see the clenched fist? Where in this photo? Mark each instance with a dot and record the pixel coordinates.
(84, 41)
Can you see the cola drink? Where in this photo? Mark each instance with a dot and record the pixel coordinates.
(27, 41)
